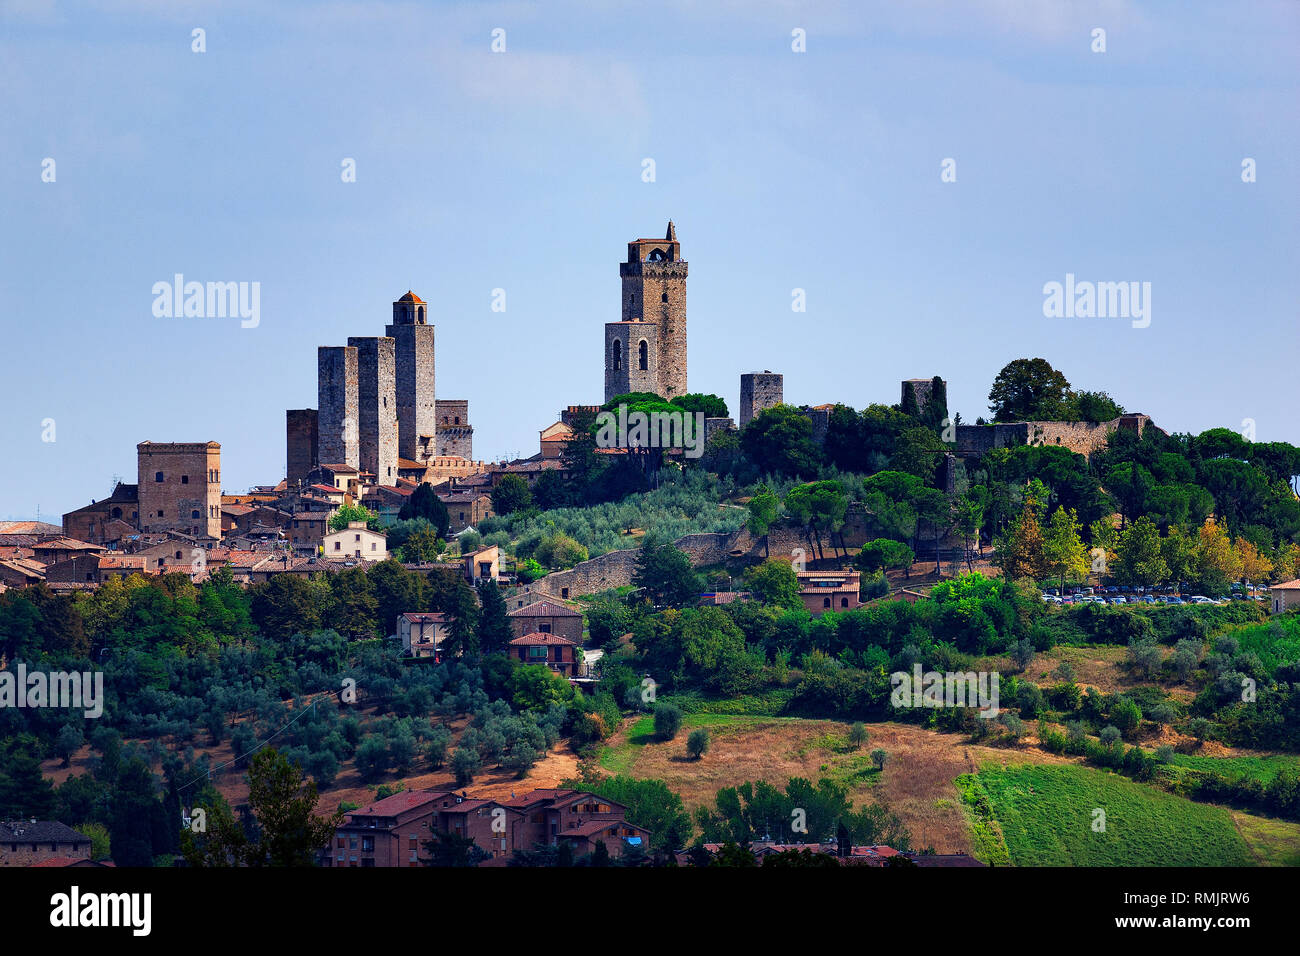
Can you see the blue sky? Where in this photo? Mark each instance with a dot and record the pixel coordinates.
(522, 171)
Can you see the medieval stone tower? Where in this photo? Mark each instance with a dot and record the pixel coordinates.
(759, 391)
(337, 395)
(377, 407)
(646, 351)
(417, 420)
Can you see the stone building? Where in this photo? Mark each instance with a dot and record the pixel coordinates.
(646, 350)
(95, 522)
(759, 391)
(455, 435)
(301, 443)
(376, 406)
(179, 487)
(338, 395)
(30, 842)
(417, 421)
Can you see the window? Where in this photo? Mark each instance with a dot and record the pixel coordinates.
(194, 513)
(544, 628)
(537, 653)
(826, 602)
(616, 358)
(421, 315)
(185, 479)
(844, 602)
(160, 514)
(663, 297)
(117, 512)
(338, 545)
(645, 355)
(157, 476)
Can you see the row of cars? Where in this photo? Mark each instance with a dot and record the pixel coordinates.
(1138, 595)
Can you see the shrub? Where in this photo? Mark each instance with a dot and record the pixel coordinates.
(668, 720)
(858, 735)
(697, 744)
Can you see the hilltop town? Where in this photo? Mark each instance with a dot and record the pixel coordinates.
(527, 662)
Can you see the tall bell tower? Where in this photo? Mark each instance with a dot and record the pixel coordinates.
(654, 293)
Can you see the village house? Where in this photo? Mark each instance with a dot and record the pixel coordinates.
(422, 632)
(29, 842)
(482, 565)
(1284, 596)
(356, 541)
(558, 653)
(546, 617)
(823, 591)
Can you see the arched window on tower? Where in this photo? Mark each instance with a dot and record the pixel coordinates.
(644, 349)
(422, 315)
(663, 297)
(616, 359)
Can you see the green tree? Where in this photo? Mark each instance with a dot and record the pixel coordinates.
(819, 505)
(1064, 553)
(423, 503)
(493, 623)
(764, 510)
(348, 513)
(510, 495)
(665, 573)
(878, 757)
(667, 720)
(1029, 390)
(858, 735)
(774, 582)
(779, 440)
(1140, 559)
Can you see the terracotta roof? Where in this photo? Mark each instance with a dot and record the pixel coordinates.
(340, 468)
(29, 527)
(538, 639)
(544, 609)
(1288, 585)
(536, 796)
(399, 803)
(411, 297)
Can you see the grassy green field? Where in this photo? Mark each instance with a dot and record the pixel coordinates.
(1034, 815)
(1263, 769)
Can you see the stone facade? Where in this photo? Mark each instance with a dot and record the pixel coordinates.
(302, 439)
(417, 419)
(338, 394)
(759, 391)
(180, 487)
(631, 358)
(455, 434)
(654, 293)
(377, 407)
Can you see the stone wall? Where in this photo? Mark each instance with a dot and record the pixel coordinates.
(623, 372)
(1082, 438)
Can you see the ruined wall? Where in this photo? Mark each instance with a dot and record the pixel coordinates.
(1082, 438)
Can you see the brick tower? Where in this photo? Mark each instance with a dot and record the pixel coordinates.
(654, 294)
(417, 420)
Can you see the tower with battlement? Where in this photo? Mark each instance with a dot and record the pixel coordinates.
(646, 350)
(759, 391)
